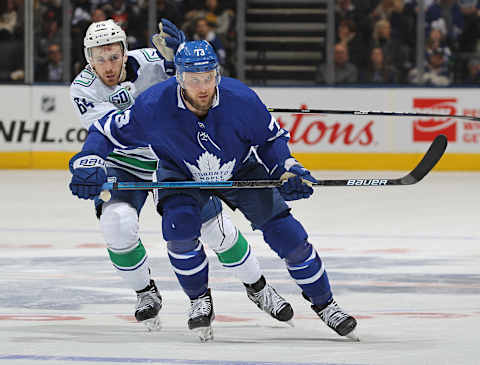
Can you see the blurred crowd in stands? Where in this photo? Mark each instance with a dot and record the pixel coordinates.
(375, 39)
(376, 42)
(212, 20)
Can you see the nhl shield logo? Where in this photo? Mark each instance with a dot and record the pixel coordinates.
(48, 104)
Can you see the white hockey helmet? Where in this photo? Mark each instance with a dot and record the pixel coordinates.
(102, 33)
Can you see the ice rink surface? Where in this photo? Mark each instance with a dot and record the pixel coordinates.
(404, 260)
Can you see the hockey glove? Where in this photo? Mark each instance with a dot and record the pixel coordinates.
(298, 183)
(166, 42)
(89, 173)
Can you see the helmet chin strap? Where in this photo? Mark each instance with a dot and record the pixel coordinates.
(123, 73)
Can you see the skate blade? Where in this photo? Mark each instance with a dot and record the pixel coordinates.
(153, 324)
(204, 333)
(353, 336)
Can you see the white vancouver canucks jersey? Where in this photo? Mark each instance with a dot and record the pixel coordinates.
(92, 99)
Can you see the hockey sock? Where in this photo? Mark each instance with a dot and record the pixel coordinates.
(310, 275)
(241, 260)
(190, 265)
(132, 265)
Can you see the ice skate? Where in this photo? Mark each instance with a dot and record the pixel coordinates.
(149, 303)
(336, 318)
(201, 316)
(267, 299)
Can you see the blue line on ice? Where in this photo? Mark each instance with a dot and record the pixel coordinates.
(141, 360)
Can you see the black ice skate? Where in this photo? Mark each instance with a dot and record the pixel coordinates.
(149, 303)
(201, 316)
(267, 299)
(336, 318)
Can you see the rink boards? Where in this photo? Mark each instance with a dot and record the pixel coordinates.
(39, 129)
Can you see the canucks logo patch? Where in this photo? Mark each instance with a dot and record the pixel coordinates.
(121, 99)
(209, 168)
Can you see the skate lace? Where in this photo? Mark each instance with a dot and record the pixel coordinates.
(333, 315)
(200, 307)
(146, 300)
(269, 300)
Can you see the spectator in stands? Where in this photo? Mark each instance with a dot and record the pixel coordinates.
(81, 13)
(345, 9)
(127, 16)
(348, 36)
(473, 76)
(98, 4)
(49, 34)
(436, 71)
(355, 13)
(169, 10)
(219, 18)
(204, 31)
(396, 53)
(119, 12)
(450, 12)
(378, 71)
(52, 69)
(345, 71)
(393, 11)
(48, 9)
(8, 20)
(436, 40)
(470, 38)
(98, 15)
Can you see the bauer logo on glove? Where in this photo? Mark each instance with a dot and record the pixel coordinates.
(89, 161)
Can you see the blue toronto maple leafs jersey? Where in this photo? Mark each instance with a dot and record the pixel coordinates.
(212, 148)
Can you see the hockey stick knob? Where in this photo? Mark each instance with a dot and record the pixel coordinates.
(105, 195)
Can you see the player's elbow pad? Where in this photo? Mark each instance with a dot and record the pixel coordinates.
(274, 154)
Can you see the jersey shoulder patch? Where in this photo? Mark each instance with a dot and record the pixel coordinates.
(85, 78)
(150, 54)
(121, 98)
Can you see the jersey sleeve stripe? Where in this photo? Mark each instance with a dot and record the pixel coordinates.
(108, 132)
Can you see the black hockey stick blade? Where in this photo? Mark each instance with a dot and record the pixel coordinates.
(428, 162)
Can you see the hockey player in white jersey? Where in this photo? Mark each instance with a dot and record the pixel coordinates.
(112, 80)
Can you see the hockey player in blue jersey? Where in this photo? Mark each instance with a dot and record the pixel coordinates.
(112, 80)
(205, 128)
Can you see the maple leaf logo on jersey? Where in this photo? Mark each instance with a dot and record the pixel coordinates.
(210, 169)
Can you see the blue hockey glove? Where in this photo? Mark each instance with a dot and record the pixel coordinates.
(89, 173)
(298, 183)
(174, 37)
(166, 42)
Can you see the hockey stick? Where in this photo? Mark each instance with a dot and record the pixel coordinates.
(429, 160)
(373, 112)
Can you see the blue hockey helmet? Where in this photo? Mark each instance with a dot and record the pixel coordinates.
(196, 56)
